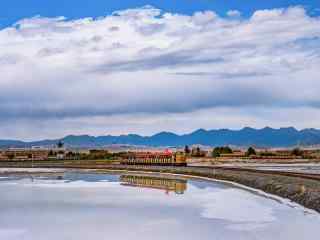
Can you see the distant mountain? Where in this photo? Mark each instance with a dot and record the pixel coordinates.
(266, 137)
(4, 143)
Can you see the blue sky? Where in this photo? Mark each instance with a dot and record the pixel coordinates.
(13, 10)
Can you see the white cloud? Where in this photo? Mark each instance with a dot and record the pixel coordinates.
(145, 61)
(234, 13)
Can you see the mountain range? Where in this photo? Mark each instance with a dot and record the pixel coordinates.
(265, 137)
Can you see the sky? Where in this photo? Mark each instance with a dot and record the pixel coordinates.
(105, 67)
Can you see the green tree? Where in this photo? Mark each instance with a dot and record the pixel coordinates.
(297, 152)
(216, 152)
(226, 150)
(51, 153)
(198, 152)
(221, 150)
(187, 150)
(251, 151)
(70, 155)
(60, 144)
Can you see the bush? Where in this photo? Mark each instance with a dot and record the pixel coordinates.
(251, 151)
(221, 150)
(297, 152)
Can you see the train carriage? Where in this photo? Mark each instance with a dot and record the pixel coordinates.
(154, 158)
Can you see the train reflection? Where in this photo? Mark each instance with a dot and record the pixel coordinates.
(179, 186)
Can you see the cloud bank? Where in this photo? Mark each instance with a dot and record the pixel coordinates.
(146, 62)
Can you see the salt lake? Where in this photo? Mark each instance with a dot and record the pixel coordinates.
(75, 205)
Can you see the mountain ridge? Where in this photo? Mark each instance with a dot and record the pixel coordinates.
(247, 136)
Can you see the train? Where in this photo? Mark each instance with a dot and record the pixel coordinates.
(155, 158)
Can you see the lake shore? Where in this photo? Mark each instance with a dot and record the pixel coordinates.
(305, 192)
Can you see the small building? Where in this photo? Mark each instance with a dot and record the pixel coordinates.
(24, 154)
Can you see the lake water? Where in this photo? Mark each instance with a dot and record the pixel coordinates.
(99, 206)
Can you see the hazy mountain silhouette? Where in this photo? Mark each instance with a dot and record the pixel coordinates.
(266, 137)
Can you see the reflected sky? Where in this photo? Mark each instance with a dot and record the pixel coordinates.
(99, 206)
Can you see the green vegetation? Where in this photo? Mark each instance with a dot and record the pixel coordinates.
(60, 144)
(187, 150)
(221, 150)
(196, 152)
(267, 154)
(297, 152)
(101, 155)
(95, 154)
(251, 151)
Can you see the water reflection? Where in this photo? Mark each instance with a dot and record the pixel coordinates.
(179, 186)
(99, 206)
